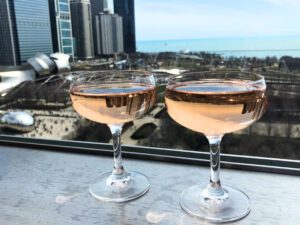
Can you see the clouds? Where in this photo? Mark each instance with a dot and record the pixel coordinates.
(164, 19)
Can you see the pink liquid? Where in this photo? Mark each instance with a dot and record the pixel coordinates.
(113, 103)
(215, 108)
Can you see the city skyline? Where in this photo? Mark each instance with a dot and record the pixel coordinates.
(187, 20)
(194, 19)
(64, 26)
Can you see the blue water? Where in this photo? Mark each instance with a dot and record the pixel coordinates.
(250, 47)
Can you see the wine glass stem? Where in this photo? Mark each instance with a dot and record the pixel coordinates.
(214, 142)
(116, 130)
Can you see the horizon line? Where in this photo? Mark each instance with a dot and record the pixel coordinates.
(226, 37)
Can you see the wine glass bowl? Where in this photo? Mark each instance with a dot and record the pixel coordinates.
(115, 98)
(216, 103)
(121, 96)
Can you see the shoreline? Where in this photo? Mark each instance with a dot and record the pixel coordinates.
(250, 46)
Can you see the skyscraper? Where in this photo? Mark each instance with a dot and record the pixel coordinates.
(97, 6)
(108, 33)
(61, 27)
(25, 30)
(117, 30)
(125, 9)
(82, 28)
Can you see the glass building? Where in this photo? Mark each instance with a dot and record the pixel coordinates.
(25, 30)
(125, 9)
(82, 29)
(61, 26)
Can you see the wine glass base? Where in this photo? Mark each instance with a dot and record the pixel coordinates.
(235, 207)
(137, 185)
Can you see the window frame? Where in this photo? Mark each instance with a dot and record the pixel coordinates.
(249, 163)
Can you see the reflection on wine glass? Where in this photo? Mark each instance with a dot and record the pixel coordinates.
(216, 103)
(115, 98)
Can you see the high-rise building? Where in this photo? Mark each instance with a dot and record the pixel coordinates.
(117, 30)
(82, 29)
(97, 6)
(108, 33)
(61, 26)
(125, 9)
(24, 30)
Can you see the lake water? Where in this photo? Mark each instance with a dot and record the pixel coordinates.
(254, 46)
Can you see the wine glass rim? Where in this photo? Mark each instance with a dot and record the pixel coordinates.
(93, 72)
(110, 76)
(260, 79)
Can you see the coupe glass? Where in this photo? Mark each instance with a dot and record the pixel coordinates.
(216, 103)
(115, 98)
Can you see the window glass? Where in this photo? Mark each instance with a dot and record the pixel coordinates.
(67, 42)
(63, 7)
(167, 39)
(68, 50)
(66, 33)
(65, 25)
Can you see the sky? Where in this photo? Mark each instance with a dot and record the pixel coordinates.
(194, 19)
